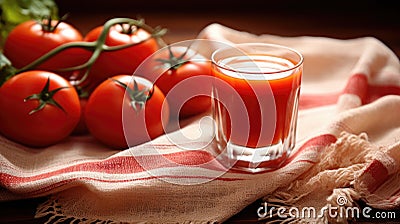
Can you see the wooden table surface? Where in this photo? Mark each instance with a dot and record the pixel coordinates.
(338, 19)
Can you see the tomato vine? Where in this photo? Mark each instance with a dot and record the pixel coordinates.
(96, 47)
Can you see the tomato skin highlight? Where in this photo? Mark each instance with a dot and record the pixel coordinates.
(28, 42)
(104, 115)
(123, 61)
(44, 127)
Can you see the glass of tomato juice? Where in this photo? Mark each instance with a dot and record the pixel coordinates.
(255, 93)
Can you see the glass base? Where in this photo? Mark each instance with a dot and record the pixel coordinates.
(253, 160)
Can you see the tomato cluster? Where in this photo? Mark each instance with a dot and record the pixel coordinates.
(67, 83)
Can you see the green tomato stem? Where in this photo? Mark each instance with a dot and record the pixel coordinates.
(48, 55)
(45, 97)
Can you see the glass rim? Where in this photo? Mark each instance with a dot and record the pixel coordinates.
(237, 46)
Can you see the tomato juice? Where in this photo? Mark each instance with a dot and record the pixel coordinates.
(255, 105)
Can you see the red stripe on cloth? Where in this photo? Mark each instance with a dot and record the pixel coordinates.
(379, 175)
(318, 143)
(125, 165)
(308, 101)
(375, 92)
(395, 196)
(357, 85)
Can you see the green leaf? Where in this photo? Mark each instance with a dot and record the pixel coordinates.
(6, 69)
(14, 12)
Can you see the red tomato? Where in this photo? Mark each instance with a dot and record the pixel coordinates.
(29, 40)
(110, 114)
(123, 61)
(185, 79)
(47, 125)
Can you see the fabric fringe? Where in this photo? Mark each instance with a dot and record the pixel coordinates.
(379, 186)
(328, 183)
(51, 209)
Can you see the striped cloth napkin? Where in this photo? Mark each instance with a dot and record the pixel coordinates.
(347, 151)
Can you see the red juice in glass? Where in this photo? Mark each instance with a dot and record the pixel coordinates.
(255, 91)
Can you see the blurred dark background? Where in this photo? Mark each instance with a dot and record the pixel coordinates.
(229, 5)
(184, 19)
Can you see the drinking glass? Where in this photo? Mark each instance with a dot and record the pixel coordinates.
(255, 93)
